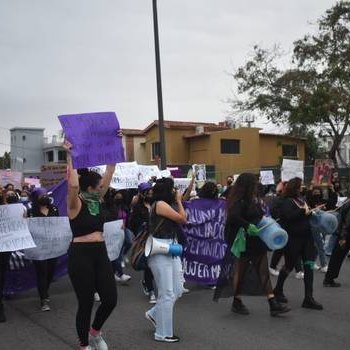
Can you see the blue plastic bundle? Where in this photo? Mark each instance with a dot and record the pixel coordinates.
(272, 234)
(323, 221)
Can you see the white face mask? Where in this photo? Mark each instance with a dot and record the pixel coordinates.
(24, 199)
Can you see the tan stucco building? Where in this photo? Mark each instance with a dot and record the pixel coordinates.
(228, 151)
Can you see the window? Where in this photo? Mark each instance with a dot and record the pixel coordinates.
(230, 146)
(155, 150)
(23, 137)
(49, 156)
(62, 156)
(290, 151)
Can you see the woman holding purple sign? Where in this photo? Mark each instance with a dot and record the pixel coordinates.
(89, 267)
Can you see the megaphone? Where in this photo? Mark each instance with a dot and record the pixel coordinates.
(155, 246)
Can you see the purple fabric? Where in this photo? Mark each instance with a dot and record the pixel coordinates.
(204, 233)
(59, 195)
(94, 138)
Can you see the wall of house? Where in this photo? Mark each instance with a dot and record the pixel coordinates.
(271, 149)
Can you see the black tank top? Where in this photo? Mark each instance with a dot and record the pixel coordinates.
(85, 223)
(164, 227)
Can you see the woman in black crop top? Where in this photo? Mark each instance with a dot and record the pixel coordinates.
(166, 269)
(89, 268)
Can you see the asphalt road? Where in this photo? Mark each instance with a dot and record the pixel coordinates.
(200, 323)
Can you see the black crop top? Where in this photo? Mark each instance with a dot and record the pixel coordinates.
(85, 223)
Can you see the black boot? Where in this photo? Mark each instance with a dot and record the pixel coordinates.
(238, 307)
(280, 297)
(311, 303)
(2, 313)
(277, 308)
(331, 283)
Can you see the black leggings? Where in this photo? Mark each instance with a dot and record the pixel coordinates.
(45, 270)
(277, 256)
(4, 261)
(295, 248)
(91, 271)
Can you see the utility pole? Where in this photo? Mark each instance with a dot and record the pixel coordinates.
(159, 89)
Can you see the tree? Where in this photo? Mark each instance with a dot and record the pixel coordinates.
(5, 161)
(314, 91)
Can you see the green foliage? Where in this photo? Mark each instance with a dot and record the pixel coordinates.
(5, 161)
(314, 91)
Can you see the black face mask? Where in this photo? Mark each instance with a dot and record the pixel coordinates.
(148, 199)
(11, 199)
(44, 201)
(118, 201)
(317, 198)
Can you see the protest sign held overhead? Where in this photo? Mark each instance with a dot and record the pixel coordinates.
(292, 168)
(32, 182)
(52, 236)
(14, 230)
(266, 177)
(323, 171)
(200, 171)
(147, 172)
(181, 184)
(94, 137)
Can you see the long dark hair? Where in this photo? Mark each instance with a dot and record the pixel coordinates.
(88, 178)
(292, 189)
(244, 189)
(208, 191)
(163, 190)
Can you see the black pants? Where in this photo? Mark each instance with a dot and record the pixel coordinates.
(91, 271)
(338, 255)
(148, 278)
(295, 248)
(261, 266)
(45, 270)
(4, 261)
(277, 256)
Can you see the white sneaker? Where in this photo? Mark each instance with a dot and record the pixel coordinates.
(123, 278)
(122, 264)
(317, 267)
(45, 306)
(185, 290)
(299, 275)
(324, 269)
(152, 298)
(274, 272)
(97, 342)
(97, 298)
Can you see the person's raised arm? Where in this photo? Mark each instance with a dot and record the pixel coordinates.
(73, 201)
(164, 209)
(187, 194)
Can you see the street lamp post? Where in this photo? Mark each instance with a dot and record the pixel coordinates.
(159, 89)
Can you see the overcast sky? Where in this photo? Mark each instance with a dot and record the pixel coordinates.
(75, 56)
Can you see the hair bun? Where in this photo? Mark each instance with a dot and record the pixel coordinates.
(83, 171)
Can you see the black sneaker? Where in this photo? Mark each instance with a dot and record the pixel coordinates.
(173, 339)
(331, 283)
(2, 314)
(311, 303)
(277, 308)
(280, 297)
(239, 308)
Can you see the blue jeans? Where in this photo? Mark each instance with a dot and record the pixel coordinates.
(168, 276)
(117, 264)
(319, 243)
(332, 241)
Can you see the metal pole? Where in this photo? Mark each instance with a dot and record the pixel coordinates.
(159, 90)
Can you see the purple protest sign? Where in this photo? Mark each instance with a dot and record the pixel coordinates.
(94, 138)
(204, 234)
